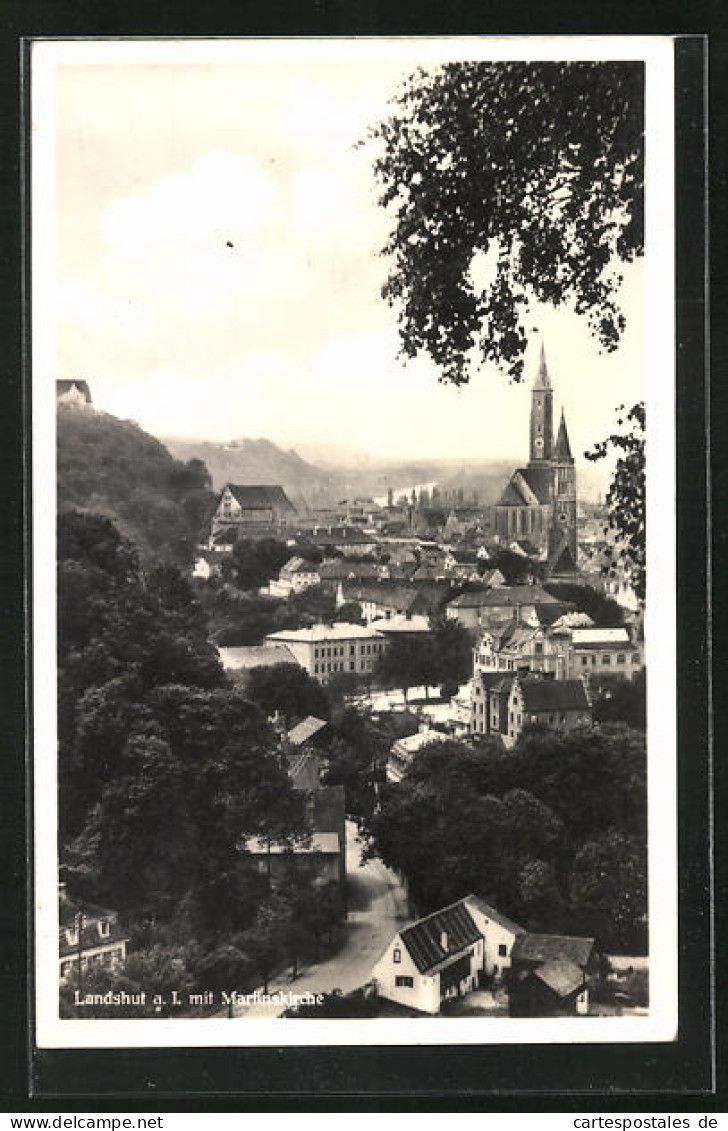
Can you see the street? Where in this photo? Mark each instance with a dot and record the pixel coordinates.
(377, 909)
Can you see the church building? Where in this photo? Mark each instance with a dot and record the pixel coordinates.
(539, 503)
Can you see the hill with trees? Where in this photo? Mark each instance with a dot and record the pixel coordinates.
(111, 467)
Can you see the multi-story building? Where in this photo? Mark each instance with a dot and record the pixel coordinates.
(245, 509)
(88, 936)
(328, 650)
(603, 651)
(504, 704)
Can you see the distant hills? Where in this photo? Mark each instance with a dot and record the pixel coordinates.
(112, 467)
(320, 474)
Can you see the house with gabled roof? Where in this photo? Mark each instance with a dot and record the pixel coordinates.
(433, 959)
(551, 975)
(88, 936)
(247, 507)
(74, 392)
(561, 703)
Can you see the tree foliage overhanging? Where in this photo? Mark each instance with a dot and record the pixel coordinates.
(552, 832)
(528, 174)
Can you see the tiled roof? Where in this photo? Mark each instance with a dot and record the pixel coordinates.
(322, 632)
(298, 565)
(424, 939)
(490, 912)
(305, 730)
(553, 948)
(401, 623)
(528, 547)
(540, 480)
(554, 695)
(226, 537)
(472, 600)
(415, 742)
(599, 637)
(91, 936)
(255, 656)
(260, 496)
(564, 978)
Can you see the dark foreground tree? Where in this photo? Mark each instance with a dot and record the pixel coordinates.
(509, 181)
(626, 496)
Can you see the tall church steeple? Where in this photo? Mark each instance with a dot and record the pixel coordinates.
(542, 428)
(562, 448)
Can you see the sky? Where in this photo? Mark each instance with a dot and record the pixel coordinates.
(219, 275)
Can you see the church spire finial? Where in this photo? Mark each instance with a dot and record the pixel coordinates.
(543, 381)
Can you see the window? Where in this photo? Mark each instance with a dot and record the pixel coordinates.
(396, 955)
(584, 661)
(104, 928)
(538, 649)
(404, 981)
(352, 665)
(606, 659)
(620, 657)
(502, 950)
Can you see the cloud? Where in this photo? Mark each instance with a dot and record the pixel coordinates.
(225, 198)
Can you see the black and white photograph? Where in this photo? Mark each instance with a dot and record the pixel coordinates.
(353, 536)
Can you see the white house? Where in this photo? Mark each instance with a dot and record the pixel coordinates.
(446, 954)
(404, 750)
(433, 959)
(295, 576)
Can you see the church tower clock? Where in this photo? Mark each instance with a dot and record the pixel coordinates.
(542, 427)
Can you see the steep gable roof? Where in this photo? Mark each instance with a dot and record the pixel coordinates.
(424, 938)
(490, 912)
(563, 978)
(305, 730)
(553, 948)
(260, 496)
(554, 695)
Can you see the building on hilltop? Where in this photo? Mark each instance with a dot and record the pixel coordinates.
(74, 392)
(539, 503)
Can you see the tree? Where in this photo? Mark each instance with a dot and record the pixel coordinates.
(289, 689)
(620, 700)
(608, 888)
(256, 562)
(604, 611)
(626, 497)
(511, 182)
(533, 170)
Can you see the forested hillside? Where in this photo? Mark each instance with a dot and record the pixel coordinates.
(108, 466)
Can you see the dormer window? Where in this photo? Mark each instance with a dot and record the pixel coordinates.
(72, 936)
(104, 928)
(443, 940)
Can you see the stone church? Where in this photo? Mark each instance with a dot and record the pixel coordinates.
(539, 503)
